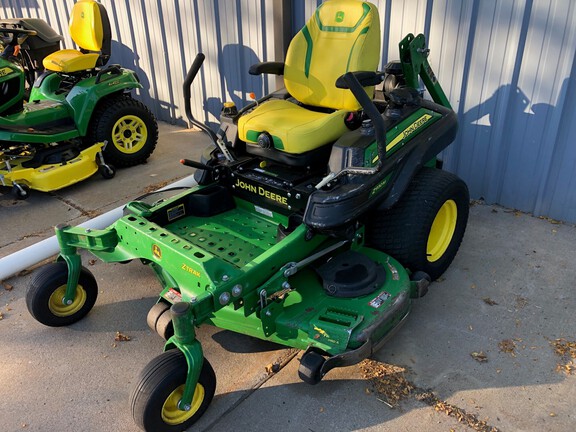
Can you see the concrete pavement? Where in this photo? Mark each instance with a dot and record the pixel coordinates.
(507, 297)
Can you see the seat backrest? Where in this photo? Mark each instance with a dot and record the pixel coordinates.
(342, 36)
(90, 27)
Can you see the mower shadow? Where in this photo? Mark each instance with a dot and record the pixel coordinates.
(129, 59)
(236, 83)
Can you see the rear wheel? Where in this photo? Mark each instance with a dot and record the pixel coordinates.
(45, 297)
(425, 228)
(155, 398)
(129, 128)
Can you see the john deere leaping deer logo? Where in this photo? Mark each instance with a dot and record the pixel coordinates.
(156, 251)
(339, 16)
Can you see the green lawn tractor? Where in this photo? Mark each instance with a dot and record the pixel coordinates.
(64, 114)
(319, 215)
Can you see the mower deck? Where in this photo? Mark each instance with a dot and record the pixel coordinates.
(51, 176)
(242, 271)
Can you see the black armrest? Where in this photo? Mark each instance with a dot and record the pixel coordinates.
(274, 68)
(365, 78)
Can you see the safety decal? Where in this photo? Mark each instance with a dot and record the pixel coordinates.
(176, 212)
(379, 300)
(173, 295)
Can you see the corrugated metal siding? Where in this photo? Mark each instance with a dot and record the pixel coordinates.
(508, 68)
(159, 40)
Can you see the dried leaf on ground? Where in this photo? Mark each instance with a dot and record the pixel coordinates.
(489, 301)
(507, 346)
(480, 357)
(468, 419)
(566, 350)
(120, 337)
(387, 381)
(7, 286)
(155, 187)
(521, 302)
(390, 385)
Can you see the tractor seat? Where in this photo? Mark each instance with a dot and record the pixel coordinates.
(90, 30)
(342, 36)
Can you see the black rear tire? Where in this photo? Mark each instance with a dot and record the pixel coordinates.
(425, 228)
(158, 389)
(129, 128)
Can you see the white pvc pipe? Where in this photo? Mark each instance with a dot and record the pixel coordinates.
(33, 254)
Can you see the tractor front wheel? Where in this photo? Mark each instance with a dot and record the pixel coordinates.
(155, 399)
(425, 228)
(45, 297)
(129, 128)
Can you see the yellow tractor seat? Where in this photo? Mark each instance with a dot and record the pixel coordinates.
(90, 30)
(342, 36)
(298, 126)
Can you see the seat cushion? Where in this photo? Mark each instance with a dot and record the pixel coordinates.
(70, 60)
(86, 25)
(294, 129)
(342, 36)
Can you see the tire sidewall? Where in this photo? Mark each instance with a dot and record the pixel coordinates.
(157, 383)
(105, 119)
(403, 230)
(457, 192)
(43, 286)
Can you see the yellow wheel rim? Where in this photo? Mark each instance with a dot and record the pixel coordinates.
(59, 308)
(442, 231)
(129, 134)
(172, 415)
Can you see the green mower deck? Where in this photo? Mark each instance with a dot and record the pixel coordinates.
(236, 275)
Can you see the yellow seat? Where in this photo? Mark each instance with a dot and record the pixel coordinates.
(90, 30)
(342, 36)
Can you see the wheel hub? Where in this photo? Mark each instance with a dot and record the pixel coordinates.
(129, 134)
(442, 231)
(61, 307)
(173, 413)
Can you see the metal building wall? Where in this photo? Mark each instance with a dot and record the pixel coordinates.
(159, 40)
(508, 68)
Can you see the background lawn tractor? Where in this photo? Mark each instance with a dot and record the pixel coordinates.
(60, 126)
(319, 215)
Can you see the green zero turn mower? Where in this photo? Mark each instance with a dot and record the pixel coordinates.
(320, 213)
(64, 114)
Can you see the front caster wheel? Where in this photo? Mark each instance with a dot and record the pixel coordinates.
(45, 296)
(155, 398)
(107, 171)
(20, 191)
